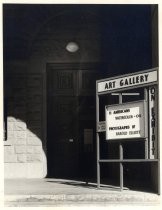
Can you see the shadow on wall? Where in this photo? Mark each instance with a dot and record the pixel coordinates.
(25, 150)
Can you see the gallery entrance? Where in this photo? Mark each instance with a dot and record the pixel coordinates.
(71, 120)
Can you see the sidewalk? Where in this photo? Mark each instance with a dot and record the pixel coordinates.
(59, 192)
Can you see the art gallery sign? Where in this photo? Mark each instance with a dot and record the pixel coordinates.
(135, 120)
(127, 81)
(131, 120)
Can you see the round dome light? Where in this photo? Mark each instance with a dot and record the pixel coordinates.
(72, 47)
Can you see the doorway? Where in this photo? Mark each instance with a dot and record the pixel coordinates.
(71, 120)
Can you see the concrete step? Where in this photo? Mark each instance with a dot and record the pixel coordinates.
(83, 199)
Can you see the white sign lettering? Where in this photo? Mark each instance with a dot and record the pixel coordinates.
(128, 81)
(153, 122)
(125, 121)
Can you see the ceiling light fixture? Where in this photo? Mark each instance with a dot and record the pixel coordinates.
(72, 47)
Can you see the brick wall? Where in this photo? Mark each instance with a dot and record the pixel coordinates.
(26, 115)
(24, 125)
(50, 44)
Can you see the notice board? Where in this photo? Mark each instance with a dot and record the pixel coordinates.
(125, 121)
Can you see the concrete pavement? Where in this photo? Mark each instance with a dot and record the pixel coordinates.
(59, 192)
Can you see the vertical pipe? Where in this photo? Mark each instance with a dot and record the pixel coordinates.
(121, 153)
(120, 98)
(98, 157)
(146, 121)
(97, 139)
(121, 165)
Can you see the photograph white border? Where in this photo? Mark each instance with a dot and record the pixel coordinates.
(111, 207)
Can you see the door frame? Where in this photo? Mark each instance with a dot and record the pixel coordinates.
(61, 66)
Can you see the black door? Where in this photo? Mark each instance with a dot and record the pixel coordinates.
(70, 121)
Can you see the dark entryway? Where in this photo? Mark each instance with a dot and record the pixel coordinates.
(71, 120)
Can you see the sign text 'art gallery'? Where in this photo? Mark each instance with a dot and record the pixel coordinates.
(123, 82)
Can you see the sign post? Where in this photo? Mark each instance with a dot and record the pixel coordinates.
(129, 121)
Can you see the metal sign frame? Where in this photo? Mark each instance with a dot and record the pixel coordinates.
(149, 118)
